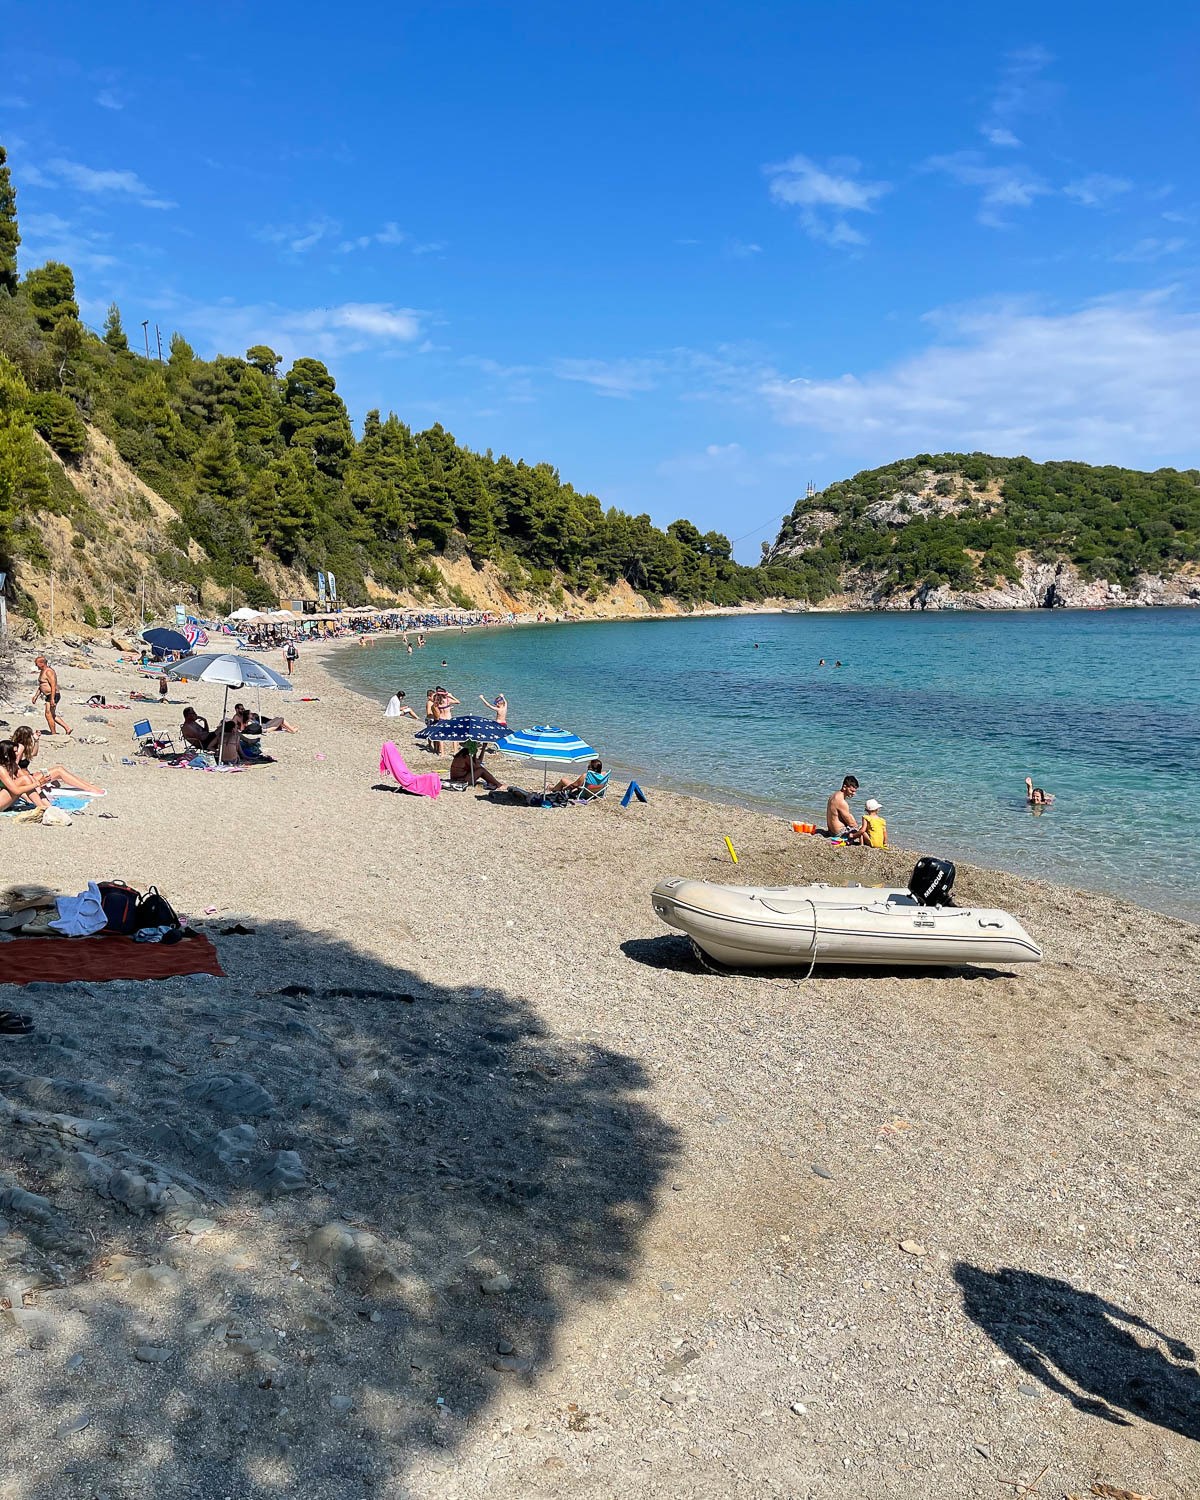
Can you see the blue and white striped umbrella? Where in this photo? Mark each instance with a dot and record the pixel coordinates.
(545, 743)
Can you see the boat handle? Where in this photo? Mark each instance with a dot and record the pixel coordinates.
(982, 923)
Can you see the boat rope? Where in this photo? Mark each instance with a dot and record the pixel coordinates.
(813, 907)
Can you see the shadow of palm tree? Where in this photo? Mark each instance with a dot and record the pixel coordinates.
(1086, 1348)
(353, 1205)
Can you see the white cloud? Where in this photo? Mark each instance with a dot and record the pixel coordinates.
(1003, 188)
(51, 237)
(391, 235)
(825, 196)
(1152, 248)
(13, 101)
(998, 135)
(1112, 382)
(93, 181)
(743, 249)
(618, 378)
(327, 333)
(1021, 91)
(297, 238)
(110, 99)
(1096, 189)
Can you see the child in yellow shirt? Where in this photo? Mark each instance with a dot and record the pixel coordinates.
(873, 827)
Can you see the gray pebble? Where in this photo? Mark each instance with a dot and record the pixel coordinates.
(75, 1363)
(342, 1403)
(504, 1347)
(152, 1354)
(507, 1364)
(822, 1171)
(1031, 1391)
(73, 1424)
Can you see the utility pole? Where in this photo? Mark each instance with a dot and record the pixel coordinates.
(52, 601)
(146, 335)
(158, 336)
(143, 601)
(112, 605)
(3, 607)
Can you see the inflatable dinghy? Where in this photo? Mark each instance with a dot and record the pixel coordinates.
(775, 927)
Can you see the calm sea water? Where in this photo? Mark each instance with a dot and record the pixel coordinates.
(941, 716)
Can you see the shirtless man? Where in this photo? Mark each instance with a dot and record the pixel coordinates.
(839, 820)
(47, 688)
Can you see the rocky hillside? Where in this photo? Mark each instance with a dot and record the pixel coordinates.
(101, 533)
(958, 530)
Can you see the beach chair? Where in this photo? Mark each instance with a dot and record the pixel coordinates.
(154, 741)
(591, 790)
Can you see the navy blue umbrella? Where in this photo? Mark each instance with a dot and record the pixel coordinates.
(162, 642)
(465, 727)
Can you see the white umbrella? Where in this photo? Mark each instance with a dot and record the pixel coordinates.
(231, 672)
(246, 614)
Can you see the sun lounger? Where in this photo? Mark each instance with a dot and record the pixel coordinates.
(419, 783)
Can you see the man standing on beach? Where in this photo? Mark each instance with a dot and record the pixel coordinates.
(839, 820)
(47, 688)
(290, 653)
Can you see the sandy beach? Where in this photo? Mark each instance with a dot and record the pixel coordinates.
(484, 1185)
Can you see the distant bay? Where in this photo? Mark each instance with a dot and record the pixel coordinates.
(941, 716)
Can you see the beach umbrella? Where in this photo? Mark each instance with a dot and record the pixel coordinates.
(231, 672)
(548, 744)
(246, 614)
(195, 635)
(464, 727)
(162, 642)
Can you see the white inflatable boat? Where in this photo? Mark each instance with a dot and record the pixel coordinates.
(760, 927)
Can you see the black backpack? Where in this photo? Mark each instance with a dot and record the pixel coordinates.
(120, 903)
(154, 910)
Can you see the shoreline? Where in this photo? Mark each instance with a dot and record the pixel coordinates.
(718, 797)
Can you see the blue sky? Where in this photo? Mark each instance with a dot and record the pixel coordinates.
(693, 255)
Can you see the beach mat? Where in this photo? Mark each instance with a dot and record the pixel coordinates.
(103, 957)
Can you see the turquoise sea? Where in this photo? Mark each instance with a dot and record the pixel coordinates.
(941, 716)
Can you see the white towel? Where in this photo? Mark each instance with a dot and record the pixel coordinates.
(80, 916)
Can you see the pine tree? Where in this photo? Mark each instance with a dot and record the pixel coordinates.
(218, 472)
(22, 478)
(263, 358)
(314, 417)
(10, 235)
(50, 290)
(114, 334)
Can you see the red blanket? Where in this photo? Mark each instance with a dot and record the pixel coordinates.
(105, 956)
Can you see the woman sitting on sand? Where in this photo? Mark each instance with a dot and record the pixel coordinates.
(593, 783)
(1035, 796)
(27, 741)
(279, 722)
(15, 783)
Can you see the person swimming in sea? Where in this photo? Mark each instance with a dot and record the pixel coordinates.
(1035, 796)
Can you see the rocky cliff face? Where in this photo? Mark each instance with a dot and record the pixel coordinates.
(1040, 586)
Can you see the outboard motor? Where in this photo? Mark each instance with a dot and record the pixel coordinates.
(932, 881)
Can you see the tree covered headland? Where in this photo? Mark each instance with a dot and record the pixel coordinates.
(260, 460)
(963, 518)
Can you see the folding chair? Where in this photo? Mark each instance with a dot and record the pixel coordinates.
(152, 740)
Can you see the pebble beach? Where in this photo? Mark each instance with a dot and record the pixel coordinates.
(467, 1178)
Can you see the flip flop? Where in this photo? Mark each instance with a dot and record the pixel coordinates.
(12, 1024)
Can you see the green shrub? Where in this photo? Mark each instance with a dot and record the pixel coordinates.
(89, 616)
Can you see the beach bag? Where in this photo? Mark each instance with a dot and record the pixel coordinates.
(932, 881)
(154, 910)
(120, 903)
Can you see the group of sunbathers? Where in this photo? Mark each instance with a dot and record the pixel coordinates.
(18, 778)
(236, 741)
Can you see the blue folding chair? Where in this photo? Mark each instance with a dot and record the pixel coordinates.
(152, 740)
